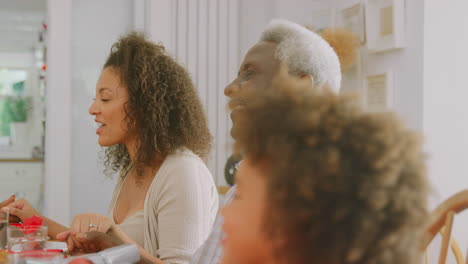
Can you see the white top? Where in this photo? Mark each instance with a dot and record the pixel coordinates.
(133, 226)
(179, 210)
(211, 251)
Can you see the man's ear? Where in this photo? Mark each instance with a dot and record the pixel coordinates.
(307, 79)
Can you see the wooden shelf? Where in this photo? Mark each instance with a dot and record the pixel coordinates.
(21, 160)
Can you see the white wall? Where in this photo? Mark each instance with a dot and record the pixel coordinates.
(406, 65)
(95, 28)
(445, 97)
(80, 35)
(203, 36)
(253, 17)
(318, 13)
(23, 179)
(58, 125)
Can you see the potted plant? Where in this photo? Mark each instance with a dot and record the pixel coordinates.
(14, 114)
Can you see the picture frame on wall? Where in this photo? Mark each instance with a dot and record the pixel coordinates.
(352, 17)
(379, 91)
(385, 25)
(352, 78)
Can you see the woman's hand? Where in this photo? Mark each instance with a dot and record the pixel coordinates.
(89, 233)
(7, 201)
(21, 208)
(88, 222)
(11, 199)
(90, 242)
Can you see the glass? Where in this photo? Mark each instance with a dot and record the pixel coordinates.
(26, 238)
(3, 224)
(38, 257)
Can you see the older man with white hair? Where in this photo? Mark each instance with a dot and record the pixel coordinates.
(285, 53)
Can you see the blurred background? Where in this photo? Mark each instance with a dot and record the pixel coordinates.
(411, 57)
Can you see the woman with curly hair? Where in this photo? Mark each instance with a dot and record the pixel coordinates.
(324, 182)
(155, 132)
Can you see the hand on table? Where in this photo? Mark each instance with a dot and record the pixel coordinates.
(88, 234)
(21, 209)
(90, 242)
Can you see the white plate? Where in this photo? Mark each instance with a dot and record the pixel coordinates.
(56, 245)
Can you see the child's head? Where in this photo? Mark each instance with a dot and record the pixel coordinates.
(324, 182)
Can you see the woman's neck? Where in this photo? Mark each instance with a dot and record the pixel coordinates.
(148, 169)
(131, 146)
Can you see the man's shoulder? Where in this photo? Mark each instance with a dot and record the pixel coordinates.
(210, 252)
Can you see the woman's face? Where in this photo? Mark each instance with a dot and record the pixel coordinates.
(109, 109)
(245, 238)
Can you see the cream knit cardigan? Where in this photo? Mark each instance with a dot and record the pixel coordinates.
(180, 207)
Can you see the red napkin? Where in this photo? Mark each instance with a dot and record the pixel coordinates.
(29, 223)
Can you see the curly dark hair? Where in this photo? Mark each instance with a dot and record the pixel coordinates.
(344, 185)
(163, 106)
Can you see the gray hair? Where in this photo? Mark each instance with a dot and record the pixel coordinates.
(303, 51)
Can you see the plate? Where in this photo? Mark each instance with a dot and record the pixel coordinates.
(56, 245)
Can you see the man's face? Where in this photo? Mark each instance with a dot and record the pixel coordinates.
(259, 70)
(256, 72)
(245, 238)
